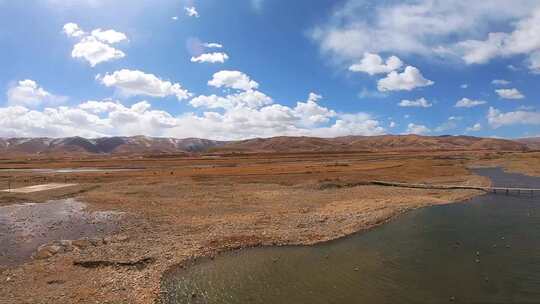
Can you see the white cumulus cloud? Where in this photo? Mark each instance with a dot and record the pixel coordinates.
(419, 103)
(510, 94)
(497, 119)
(73, 30)
(233, 80)
(216, 57)
(459, 29)
(109, 36)
(29, 94)
(374, 64)
(135, 82)
(246, 113)
(410, 79)
(95, 47)
(469, 103)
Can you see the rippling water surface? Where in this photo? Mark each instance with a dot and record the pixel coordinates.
(484, 251)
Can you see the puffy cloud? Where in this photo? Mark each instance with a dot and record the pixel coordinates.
(464, 86)
(525, 39)
(500, 82)
(73, 30)
(89, 119)
(247, 99)
(246, 113)
(510, 94)
(134, 82)
(96, 47)
(417, 129)
(497, 119)
(109, 36)
(28, 93)
(191, 11)
(374, 64)
(430, 28)
(216, 57)
(419, 103)
(469, 103)
(233, 80)
(95, 51)
(237, 123)
(408, 80)
(475, 128)
(311, 113)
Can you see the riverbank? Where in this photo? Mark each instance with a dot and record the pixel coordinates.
(174, 214)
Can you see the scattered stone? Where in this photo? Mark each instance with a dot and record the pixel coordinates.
(452, 299)
(82, 243)
(477, 260)
(46, 251)
(356, 269)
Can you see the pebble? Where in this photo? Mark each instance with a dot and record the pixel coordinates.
(452, 299)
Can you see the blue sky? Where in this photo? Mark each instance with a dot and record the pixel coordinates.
(258, 68)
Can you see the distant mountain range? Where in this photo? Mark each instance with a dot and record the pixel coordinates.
(105, 145)
(531, 142)
(152, 145)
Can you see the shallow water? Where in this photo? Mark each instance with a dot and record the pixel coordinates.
(484, 251)
(25, 227)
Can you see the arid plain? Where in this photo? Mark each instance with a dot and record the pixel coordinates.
(168, 210)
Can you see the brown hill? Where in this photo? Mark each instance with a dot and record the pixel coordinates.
(371, 143)
(146, 145)
(106, 145)
(531, 142)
